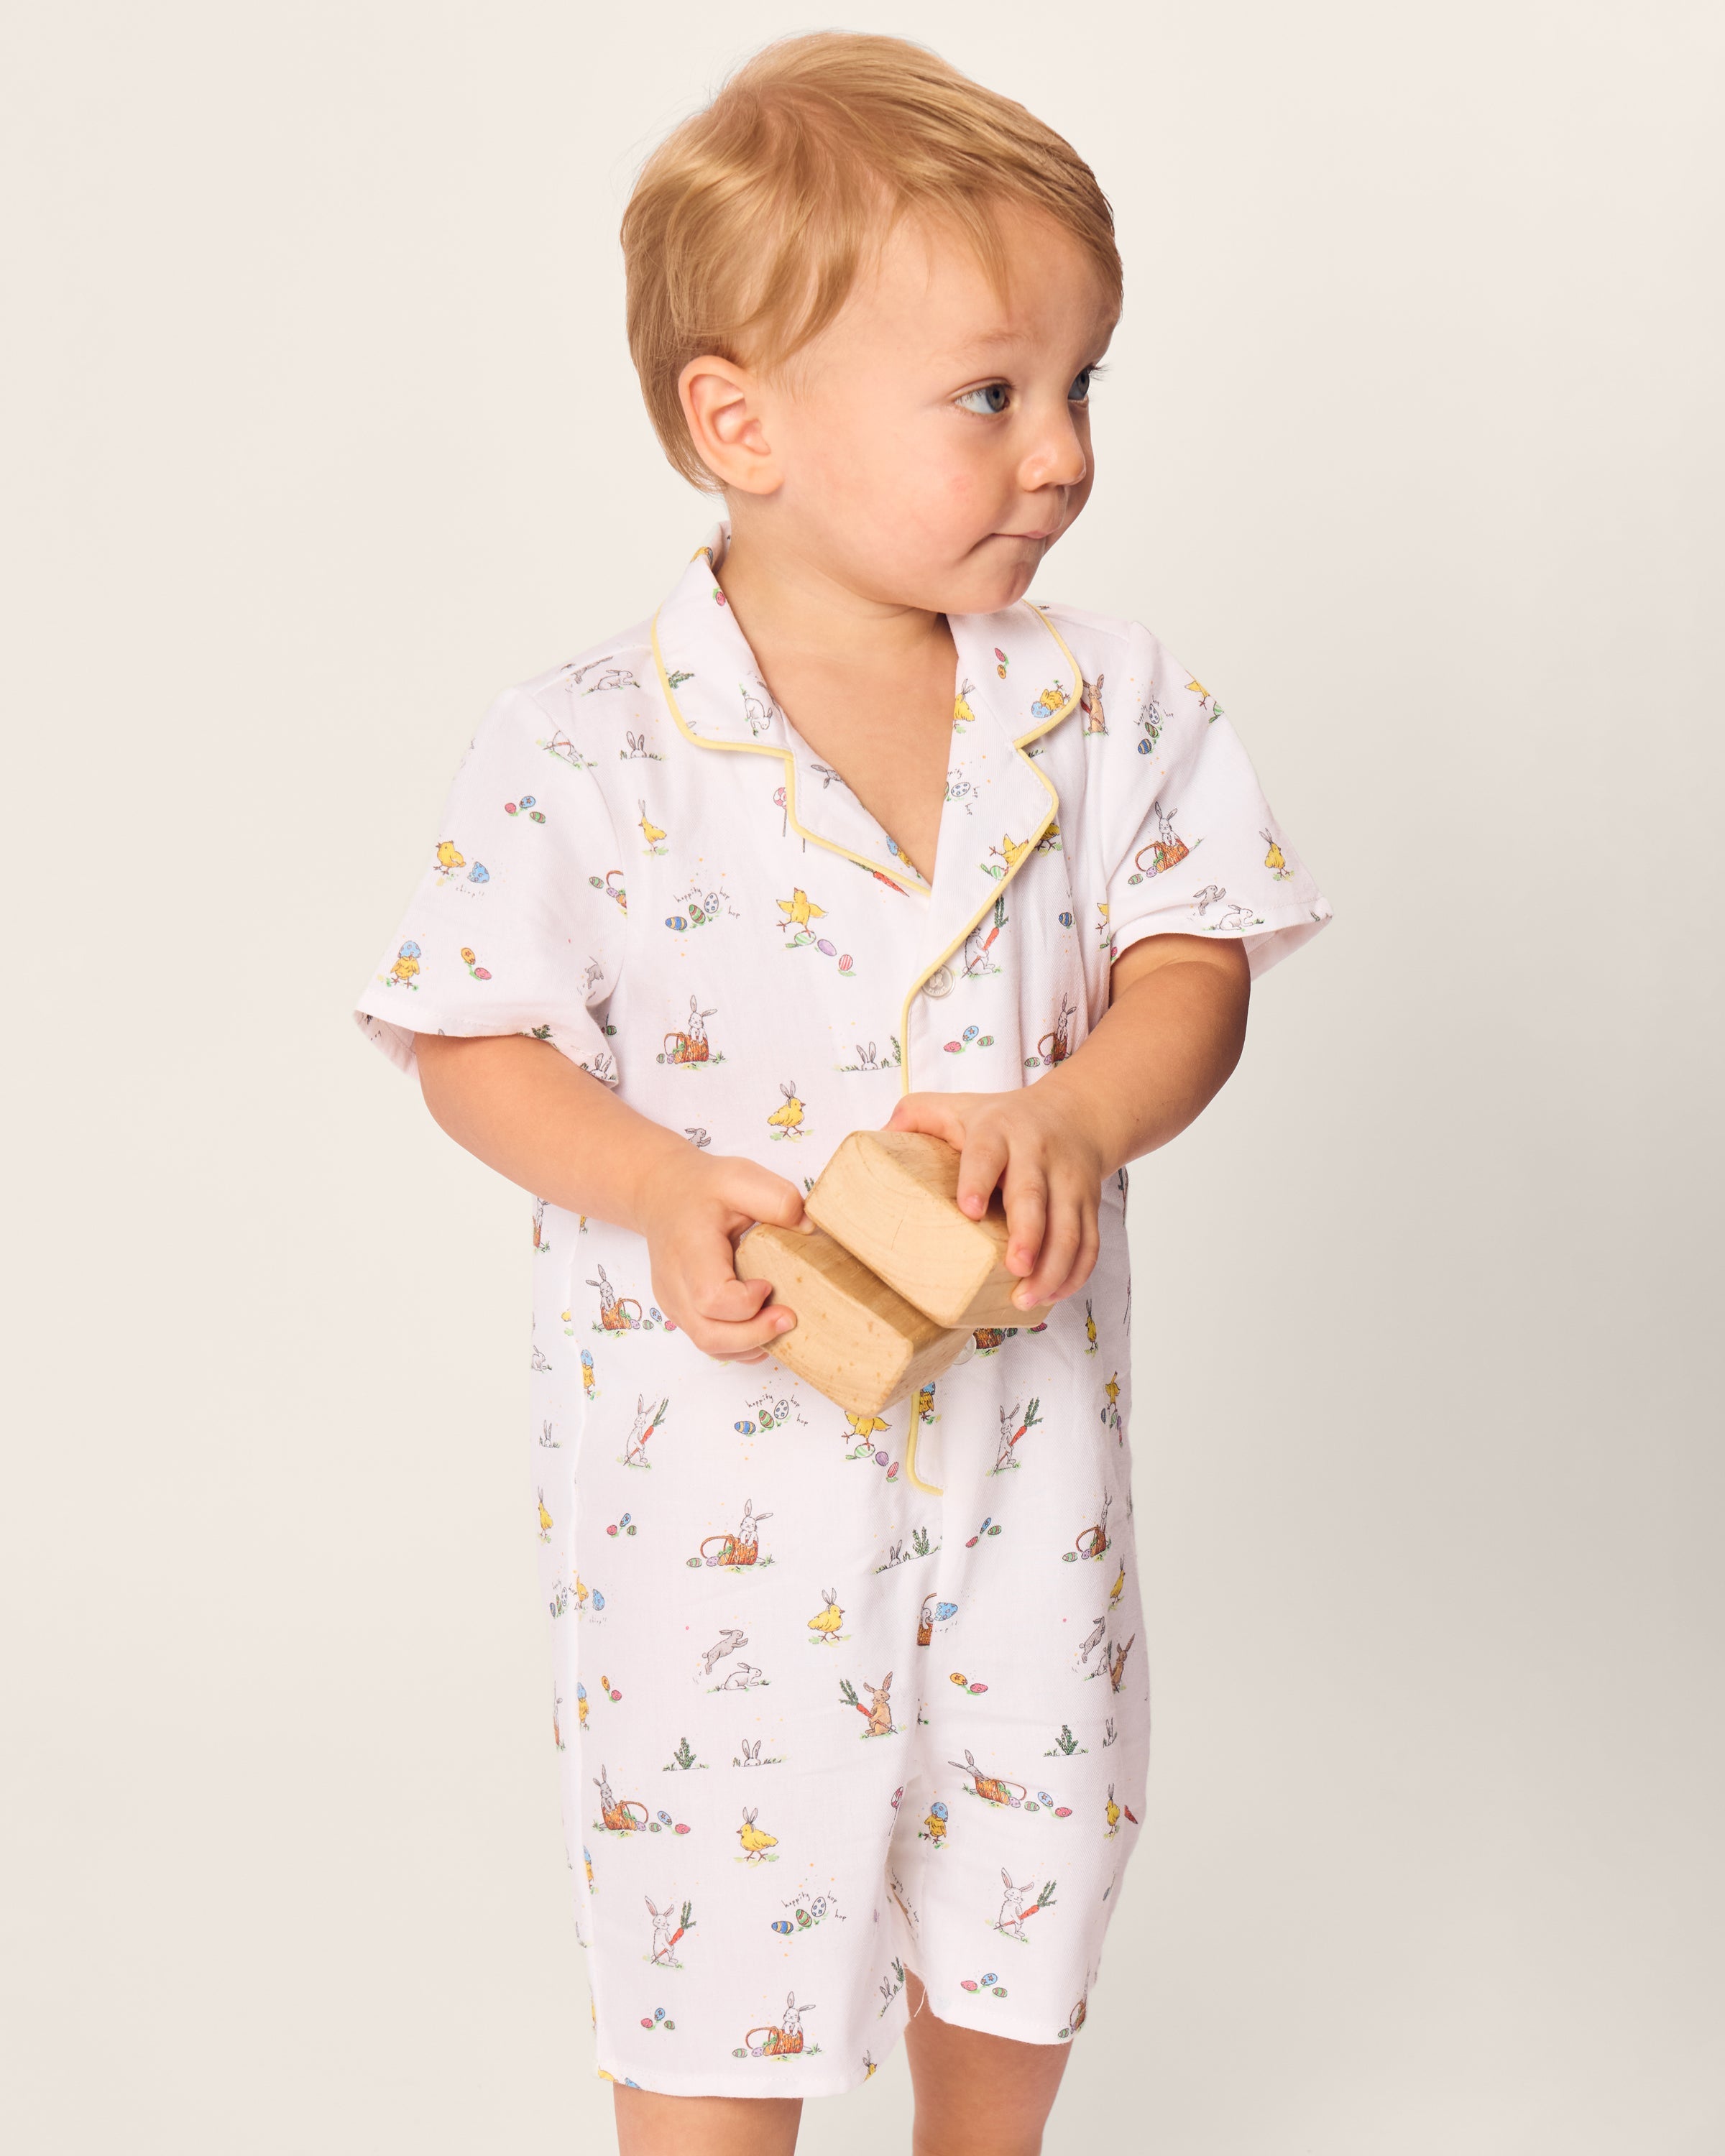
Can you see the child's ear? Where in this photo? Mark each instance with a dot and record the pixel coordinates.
(723, 406)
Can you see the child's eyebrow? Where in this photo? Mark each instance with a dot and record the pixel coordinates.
(991, 340)
(1003, 340)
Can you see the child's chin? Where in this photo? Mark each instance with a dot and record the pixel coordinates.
(1002, 592)
(988, 588)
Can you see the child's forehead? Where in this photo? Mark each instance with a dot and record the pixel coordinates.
(964, 305)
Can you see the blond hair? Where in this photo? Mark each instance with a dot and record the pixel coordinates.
(751, 223)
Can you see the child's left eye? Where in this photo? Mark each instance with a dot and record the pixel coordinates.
(995, 396)
(1079, 393)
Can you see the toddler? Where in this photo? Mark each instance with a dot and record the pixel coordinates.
(852, 1712)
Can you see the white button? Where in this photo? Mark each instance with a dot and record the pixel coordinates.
(939, 982)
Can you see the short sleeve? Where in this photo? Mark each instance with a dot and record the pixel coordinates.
(517, 925)
(1192, 847)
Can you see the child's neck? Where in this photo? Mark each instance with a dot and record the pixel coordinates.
(790, 606)
(867, 683)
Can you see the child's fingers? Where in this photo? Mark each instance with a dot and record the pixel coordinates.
(1025, 1195)
(729, 1301)
(1061, 1241)
(1084, 1264)
(981, 1160)
(933, 1113)
(1068, 1251)
(720, 1314)
(732, 1319)
(758, 1194)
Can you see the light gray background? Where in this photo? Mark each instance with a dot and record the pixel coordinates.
(321, 429)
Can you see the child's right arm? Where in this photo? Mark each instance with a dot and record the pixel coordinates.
(528, 1112)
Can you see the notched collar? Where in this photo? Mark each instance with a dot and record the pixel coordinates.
(1016, 681)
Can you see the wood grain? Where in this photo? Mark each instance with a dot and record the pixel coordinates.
(890, 1197)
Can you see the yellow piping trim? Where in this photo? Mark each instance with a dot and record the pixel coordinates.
(755, 748)
(1018, 740)
(784, 755)
(934, 1489)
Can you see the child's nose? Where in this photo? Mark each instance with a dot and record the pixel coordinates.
(1057, 457)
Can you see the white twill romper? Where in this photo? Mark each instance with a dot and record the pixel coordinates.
(834, 1697)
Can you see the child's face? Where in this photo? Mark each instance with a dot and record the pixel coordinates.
(932, 444)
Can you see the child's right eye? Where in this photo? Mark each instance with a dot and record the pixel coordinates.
(995, 396)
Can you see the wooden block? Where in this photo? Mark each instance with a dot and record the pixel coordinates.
(855, 1340)
(891, 1198)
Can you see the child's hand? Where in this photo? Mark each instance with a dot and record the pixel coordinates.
(693, 1206)
(1051, 1173)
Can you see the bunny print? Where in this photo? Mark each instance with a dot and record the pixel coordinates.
(614, 1309)
(728, 1643)
(744, 1547)
(880, 1707)
(668, 1927)
(784, 2040)
(618, 1817)
(690, 1044)
(646, 1421)
(927, 1622)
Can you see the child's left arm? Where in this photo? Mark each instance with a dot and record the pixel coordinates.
(1171, 1036)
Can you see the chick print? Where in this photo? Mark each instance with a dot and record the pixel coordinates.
(545, 1520)
(825, 1626)
(864, 1426)
(448, 859)
(799, 908)
(402, 973)
(1049, 702)
(962, 713)
(934, 1827)
(786, 1119)
(1275, 861)
(1011, 851)
(1090, 1328)
(650, 831)
(1116, 1590)
(755, 1840)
